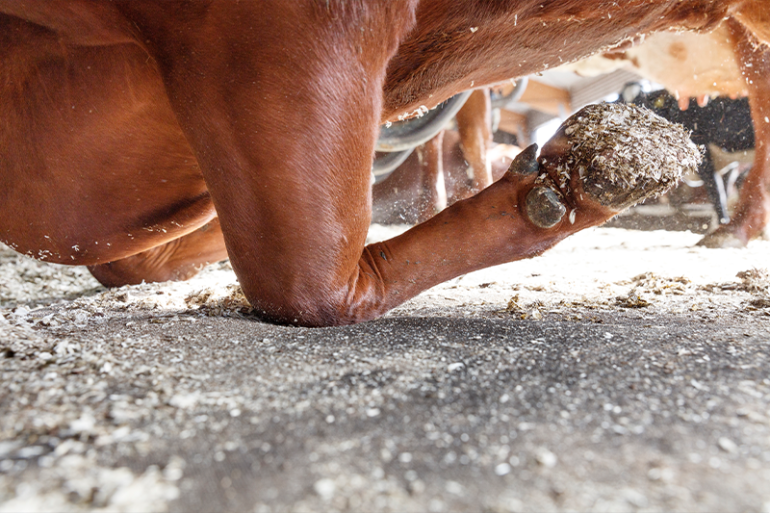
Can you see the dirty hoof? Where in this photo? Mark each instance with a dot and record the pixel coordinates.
(721, 239)
(525, 162)
(623, 154)
(544, 208)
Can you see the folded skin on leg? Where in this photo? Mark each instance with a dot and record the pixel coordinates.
(177, 260)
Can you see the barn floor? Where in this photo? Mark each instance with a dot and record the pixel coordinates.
(621, 371)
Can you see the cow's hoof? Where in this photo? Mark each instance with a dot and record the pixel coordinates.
(544, 208)
(622, 154)
(525, 162)
(721, 239)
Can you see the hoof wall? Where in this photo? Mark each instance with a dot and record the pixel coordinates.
(544, 208)
(525, 162)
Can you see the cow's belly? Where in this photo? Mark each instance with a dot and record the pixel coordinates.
(92, 161)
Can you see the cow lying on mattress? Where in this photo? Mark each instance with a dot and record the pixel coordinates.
(144, 139)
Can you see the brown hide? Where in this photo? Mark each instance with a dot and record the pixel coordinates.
(130, 125)
(755, 16)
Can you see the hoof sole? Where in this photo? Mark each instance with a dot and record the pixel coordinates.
(544, 208)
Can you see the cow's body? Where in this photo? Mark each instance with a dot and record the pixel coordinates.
(136, 134)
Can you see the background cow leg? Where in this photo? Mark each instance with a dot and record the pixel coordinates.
(715, 187)
(474, 123)
(178, 260)
(751, 214)
(433, 198)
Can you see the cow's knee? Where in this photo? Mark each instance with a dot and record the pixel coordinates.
(330, 295)
(310, 307)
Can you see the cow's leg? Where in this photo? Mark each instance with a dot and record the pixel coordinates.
(282, 110)
(432, 199)
(753, 211)
(715, 187)
(178, 260)
(281, 103)
(474, 122)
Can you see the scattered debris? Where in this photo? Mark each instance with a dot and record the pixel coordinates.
(633, 300)
(101, 387)
(756, 281)
(217, 303)
(532, 311)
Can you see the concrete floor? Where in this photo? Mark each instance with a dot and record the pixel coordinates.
(622, 371)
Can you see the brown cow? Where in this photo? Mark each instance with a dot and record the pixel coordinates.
(135, 134)
(406, 195)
